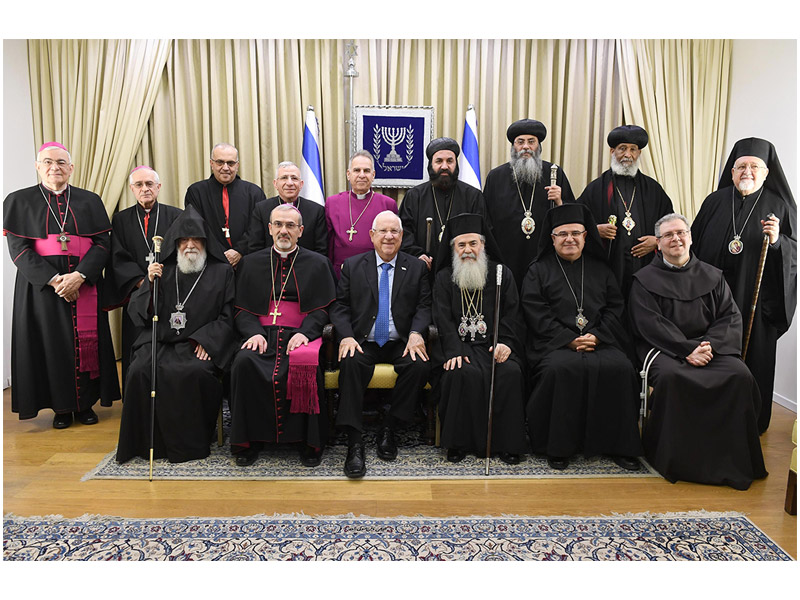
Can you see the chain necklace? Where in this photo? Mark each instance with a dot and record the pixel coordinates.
(177, 320)
(150, 258)
(580, 320)
(62, 237)
(277, 301)
(352, 231)
(628, 223)
(438, 214)
(472, 318)
(528, 224)
(736, 246)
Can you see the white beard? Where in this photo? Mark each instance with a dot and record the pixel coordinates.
(469, 274)
(191, 261)
(746, 186)
(527, 170)
(624, 171)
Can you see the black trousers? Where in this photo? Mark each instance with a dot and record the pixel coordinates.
(356, 371)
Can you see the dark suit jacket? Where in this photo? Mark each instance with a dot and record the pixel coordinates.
(315, 228)
(356, 307)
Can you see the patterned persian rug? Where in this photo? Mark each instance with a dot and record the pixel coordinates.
(698, 536)
(415, 460)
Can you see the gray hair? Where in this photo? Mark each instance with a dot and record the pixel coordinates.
(669, 217)
(363, 153)
(224, 145)
(286, 207)
(283, 165)
(153, 171)
(383, 213)
(453, 240)
(38, 154)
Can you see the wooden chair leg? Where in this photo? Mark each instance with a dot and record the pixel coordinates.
(790, 506)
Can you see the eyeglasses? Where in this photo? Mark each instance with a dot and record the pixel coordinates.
(672, 234)
(281, 224)
(743, 168)
(565, 234)
(49, 162)
(221, 163)
(294, 178)
(148, 184)
(385, 232)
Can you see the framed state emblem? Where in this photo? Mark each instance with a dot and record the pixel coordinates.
(396, 136)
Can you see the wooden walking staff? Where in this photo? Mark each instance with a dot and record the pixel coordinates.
(761, 261)
(494, 364)
(157, 239)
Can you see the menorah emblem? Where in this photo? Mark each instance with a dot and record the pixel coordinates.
(393, 136)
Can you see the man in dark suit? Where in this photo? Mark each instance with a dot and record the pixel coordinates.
(380, 319)
(288, 184)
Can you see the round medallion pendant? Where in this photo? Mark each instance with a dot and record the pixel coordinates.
(528, 226)
(735, 246)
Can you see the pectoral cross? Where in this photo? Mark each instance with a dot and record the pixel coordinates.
(275, 314)
(63, 238)
(150, 258)
(352, 231)
(227, 232)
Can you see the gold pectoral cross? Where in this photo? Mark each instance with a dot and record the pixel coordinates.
(275, 314)
(63, 238)
(352, 231)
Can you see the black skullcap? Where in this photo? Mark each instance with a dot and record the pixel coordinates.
(526, 127)
(190, 224)
(442, 143)
(628, 134)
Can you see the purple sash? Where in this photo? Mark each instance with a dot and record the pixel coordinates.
(303, 360)
(85, 306)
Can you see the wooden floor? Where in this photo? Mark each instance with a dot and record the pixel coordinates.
(42, 468)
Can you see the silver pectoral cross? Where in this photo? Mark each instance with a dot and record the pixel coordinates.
(63, 238)
(227, 232)
(150, 258)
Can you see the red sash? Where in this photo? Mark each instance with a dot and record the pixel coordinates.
(85, 306)
(303, 360)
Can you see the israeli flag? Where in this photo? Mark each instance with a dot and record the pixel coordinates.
(469, 162)
(311, 167)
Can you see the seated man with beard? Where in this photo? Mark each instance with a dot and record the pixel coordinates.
(518, 195)
(585, 390)
(464, 309)
(194, 345)
(441, 197)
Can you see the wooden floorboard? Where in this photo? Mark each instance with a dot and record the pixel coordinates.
(42, 468)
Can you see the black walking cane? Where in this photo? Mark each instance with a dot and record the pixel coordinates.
(157, 239)
(494, 364)
(761, 261)
(429, 221)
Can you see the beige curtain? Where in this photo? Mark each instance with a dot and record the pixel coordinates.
(678, 91)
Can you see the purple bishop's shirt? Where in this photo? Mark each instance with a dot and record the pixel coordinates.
(337, 215)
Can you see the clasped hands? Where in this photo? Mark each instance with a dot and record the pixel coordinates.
(584, 343)
(67, 286)
(701, 355)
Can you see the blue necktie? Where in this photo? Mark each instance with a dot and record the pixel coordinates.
(382, 322)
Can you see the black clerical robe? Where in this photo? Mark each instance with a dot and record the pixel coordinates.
(505, 213)
(315, 229)
(581, 401)
(206, 197)
(130, 247)
(261, 409)
(418, 204)
(712, 231)
(702, 426)
(464, 403)
(188, 390)
(55, 361)
(647, 202)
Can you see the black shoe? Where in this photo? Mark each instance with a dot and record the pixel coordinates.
(626, 462)
(558, 462)
(455, 455)
(387, 447)
(247, 457)
(510, 458)
(355, 465)
(86, 417)
(62, 421)
(310, 456)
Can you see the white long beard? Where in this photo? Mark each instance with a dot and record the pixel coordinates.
(469, 274)
(527, 170)
(191, 261)
(622, 170)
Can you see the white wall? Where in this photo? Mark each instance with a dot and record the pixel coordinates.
(18, 159)
(763, 103)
